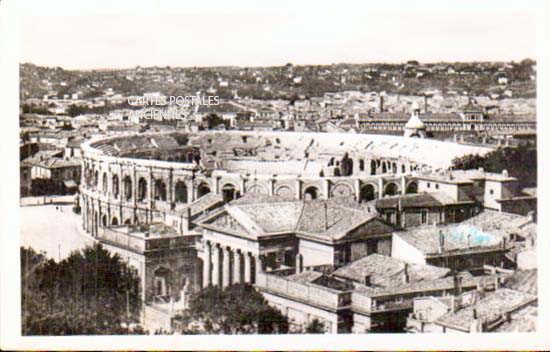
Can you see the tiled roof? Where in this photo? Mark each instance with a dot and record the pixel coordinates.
(524, 281)
(489, 308)
(409, 201)
(455, 237)
(387, 271)
(523, 320)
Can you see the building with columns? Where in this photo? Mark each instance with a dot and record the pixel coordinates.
(273, 234)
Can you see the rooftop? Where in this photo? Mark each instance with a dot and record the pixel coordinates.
(489, 308)
(386, 271)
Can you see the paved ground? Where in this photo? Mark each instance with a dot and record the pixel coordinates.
(56, 232)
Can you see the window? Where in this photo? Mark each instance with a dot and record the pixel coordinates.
(491, 191)
(428, 185)
(437, 186)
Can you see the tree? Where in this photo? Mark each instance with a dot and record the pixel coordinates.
(213, 120)
(237, 309)
(520, 162)
(315, 327)
(90, 292)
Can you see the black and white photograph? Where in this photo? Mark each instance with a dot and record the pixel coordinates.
(327, 170)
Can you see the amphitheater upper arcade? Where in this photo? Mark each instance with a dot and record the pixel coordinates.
(125, 190)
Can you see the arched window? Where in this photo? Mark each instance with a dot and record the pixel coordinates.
(203, 189)
(310, 193)
(114, 222)
(361, 165)
(367, 193)
(412, 188)
(181, 192)
(115, 186)
(142, 189)
(229, 192)
(160, 190)
(127, 187)
(390, 189)
(373, 167)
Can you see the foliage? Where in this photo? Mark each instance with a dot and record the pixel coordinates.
(213, 120)
(237, 309)
(315, 327)
(90, 292)
(520, 162)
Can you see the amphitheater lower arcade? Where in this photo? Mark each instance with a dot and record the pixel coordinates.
(115, 192)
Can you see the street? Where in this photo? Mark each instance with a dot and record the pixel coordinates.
(53, 231)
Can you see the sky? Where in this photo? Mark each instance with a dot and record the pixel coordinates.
(120, 34)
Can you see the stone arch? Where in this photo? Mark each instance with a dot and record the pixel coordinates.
(373, 167)
(393, 168)
(256, 189)
(114, 221)
(128, 221)
(311, 192)
(391, 189)
(142, 189)
(384, 167)
(361, 165)
(203, 189)
(367, 193)
(127, 187)
(230, 192)
(115, 188)
(341, 190)
(181, 192)
(104, 220)
(160, 190)
(412, 187)
(96, 178)
(403, 168)
(284, 191)
(161, 281)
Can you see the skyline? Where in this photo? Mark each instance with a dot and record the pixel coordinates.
(204, 35)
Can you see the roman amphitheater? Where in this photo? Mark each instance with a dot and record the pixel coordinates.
(143, 178)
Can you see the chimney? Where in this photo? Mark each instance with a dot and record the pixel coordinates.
(457, 280)
(406, 277)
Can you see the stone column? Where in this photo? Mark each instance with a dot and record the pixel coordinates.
(247, 268)
(190, 191)
(298, 189)
(258, 266)
(207, 266)
(326, 189)
(380, 187)
(216, 266)
(170, 188)
(271, 186)
(226, 275)
(357, 189)
(403, 185)
(236, 267)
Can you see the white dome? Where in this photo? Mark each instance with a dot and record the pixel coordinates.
(415, 123)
